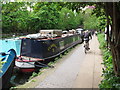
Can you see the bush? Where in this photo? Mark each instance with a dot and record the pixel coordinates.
(102, 41)
(109, 78)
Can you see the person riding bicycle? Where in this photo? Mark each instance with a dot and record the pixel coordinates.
(87, 35)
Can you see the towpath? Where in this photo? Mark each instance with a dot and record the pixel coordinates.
(75, 70)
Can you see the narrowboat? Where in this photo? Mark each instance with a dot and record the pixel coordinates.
(7, 65)
(36, 50)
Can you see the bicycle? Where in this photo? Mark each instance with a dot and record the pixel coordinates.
(86, 46)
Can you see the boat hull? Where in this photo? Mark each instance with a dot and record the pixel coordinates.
(7, 68)
(45, 49)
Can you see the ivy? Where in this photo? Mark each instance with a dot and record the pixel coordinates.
(110, 80)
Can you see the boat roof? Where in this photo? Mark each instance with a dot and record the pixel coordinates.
(51, 30)
(79, 29)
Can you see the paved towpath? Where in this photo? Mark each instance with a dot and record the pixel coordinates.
(77, 70)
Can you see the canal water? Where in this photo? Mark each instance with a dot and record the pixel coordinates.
(19, 78)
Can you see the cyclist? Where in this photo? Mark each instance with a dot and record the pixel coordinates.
(87, 35)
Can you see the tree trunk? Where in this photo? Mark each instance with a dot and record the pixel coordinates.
(114, 38)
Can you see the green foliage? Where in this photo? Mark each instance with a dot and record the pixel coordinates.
(90, 21)
(109, 78)
(34, 74)
(33, 81)
(28, 17)
(48, 17)
(66, 19)
(15, 17)
(94, 21)
(102, 41)
(102, 22)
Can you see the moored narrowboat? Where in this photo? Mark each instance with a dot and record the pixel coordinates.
(36, 50)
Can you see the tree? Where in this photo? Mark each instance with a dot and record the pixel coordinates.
(113, 10)
(69, 19)
(90, 20)
(14, 15)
